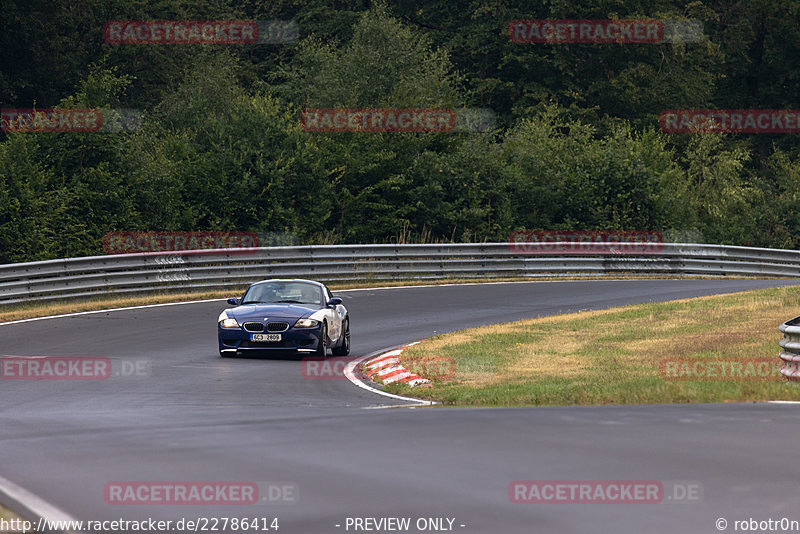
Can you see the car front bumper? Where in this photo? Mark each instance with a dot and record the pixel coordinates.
(293, 339)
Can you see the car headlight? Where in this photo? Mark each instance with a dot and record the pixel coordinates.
(306, 323)
(229, 323)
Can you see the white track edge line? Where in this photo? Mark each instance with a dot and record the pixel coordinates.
(30, 506)
(90, 312)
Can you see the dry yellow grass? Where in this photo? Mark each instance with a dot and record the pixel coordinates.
(7, 514)
(614, 355)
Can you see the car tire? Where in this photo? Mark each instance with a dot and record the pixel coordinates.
(344, 348)
(322, 348)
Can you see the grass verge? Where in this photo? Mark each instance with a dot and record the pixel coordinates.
(615, 356)
(15, 312)
(7, 514)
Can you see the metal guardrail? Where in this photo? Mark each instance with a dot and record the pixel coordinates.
(791, 349)
(127, 274)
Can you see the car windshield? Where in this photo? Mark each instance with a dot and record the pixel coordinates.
(283, 292)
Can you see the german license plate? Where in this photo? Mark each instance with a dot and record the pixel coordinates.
(265, 337)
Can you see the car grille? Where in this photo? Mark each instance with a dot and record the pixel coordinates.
(253, 327)
(277, 327)
(287, 344)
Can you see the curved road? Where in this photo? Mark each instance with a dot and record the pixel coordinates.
(197, 417)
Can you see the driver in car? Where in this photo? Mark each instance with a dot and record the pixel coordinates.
(310, 295)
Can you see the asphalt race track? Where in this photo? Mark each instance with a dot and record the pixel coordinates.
(198, 417)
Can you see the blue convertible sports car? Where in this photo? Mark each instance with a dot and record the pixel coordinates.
(285, 315)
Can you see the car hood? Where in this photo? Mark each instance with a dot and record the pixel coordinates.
(272, 311)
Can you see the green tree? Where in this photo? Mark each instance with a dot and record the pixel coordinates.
(69, 187)
(566, 176)
(213, 157)
(385, 64)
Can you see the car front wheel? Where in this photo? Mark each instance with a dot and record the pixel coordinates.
(322, 347)
(344, 348)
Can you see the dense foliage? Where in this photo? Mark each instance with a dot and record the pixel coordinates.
(576, 144)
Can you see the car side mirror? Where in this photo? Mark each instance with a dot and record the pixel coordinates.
(335, 301)
(233, 301)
